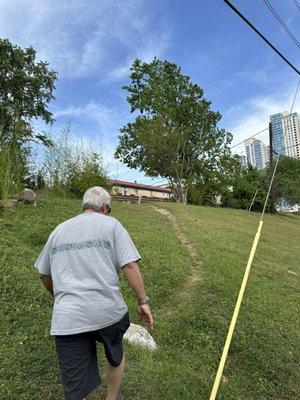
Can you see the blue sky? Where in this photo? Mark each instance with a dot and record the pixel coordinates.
(92, 44)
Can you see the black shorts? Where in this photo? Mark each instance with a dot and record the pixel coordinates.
(77, 355)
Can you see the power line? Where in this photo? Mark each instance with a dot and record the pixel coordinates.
(258, 133)
(295, 97)
(282, 23)
(160, 181)
(261, 35)
(297, 4)
(250, 137)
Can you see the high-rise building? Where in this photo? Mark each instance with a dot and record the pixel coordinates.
(291, 134)
(277, 131)
(257, 153)
(286, 133)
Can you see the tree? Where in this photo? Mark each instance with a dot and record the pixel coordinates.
(214, 182)
(287, 181)
(90, 173)
(26, 87)
(243, 188)
(175, 132)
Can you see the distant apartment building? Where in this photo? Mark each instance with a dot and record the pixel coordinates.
(257, 153)
(291, 136)
(286, 133)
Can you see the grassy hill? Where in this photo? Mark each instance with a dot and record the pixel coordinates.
(191, 315)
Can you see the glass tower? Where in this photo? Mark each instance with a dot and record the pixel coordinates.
(277, 130)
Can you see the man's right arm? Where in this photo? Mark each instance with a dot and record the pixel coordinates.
(135, 280)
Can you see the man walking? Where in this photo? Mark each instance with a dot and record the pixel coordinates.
(79, 266)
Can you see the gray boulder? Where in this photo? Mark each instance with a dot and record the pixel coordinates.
(10, 204)
(28, 196)
(138, 335)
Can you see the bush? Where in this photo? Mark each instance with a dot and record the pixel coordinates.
(244, 188)
(12, 170)
(70, 167)
(89, 173)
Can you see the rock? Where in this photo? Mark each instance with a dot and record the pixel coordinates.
(28, 197)
(138, 335)
(11, 204)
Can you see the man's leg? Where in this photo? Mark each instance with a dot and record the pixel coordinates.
(114, 377)
(77, 357)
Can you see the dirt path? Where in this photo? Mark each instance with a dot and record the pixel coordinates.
(196, 266)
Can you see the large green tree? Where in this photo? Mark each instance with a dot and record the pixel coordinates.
(287, 181)
(247, 185)
(174, 134)
(26, 88)
(213, 182)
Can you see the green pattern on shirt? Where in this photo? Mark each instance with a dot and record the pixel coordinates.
(81, 245)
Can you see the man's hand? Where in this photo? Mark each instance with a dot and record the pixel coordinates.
(144, 311)
(134, 277)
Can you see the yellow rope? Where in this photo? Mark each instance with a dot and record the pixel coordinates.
(235, 315)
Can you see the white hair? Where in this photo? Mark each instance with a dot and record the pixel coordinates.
(95, 197)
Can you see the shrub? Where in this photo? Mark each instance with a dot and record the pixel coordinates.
(89, 173)
(70, 166)
(12, 170)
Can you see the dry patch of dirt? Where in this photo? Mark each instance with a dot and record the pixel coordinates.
(195, 273)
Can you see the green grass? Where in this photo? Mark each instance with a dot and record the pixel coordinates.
(263, 359)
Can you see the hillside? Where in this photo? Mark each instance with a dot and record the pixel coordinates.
(193, 262)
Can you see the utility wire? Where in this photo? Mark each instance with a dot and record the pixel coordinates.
(258, 133)
(295, 97)
(282, 23)
(261, 35)
(250, 137)
(297, 4)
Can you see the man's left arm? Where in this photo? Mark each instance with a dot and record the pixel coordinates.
(43, 265)
(47, 282)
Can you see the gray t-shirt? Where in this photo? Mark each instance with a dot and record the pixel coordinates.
(83, 256)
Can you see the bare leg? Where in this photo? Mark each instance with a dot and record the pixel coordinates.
(114, 377)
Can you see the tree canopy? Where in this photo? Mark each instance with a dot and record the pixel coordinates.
(174, 134)
(287, 181)
(26, 87)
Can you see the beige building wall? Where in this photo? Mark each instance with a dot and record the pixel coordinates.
(126, 191)
(291, 134)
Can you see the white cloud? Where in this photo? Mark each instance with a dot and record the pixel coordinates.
(79, 38)
(108, 120)
(252, 116)
(144, 47)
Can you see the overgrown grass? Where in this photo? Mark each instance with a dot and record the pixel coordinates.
(263, 358)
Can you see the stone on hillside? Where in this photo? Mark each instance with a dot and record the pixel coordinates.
(138, 335)
(28, 197)
(11, 204)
